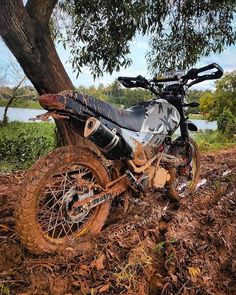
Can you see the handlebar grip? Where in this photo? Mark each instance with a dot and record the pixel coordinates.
(206, 68)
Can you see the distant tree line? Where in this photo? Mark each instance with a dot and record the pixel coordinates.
(212, 103)
(24, 92)
(117, 95)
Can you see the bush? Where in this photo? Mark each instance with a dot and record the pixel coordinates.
(21, 144)
(226, 123)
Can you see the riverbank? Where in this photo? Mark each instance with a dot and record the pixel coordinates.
(197, 117)
(22, 103)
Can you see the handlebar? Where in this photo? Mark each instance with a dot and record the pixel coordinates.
(130, 82)
(192, 74)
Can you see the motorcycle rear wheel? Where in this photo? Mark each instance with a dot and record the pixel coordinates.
(40, 220)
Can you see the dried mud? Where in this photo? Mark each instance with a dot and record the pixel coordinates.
(155, 247)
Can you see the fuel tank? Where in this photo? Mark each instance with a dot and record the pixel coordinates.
(161, 120)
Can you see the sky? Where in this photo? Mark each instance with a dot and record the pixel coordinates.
(139, 48)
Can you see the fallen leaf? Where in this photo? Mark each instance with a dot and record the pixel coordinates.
(194, 271)
(104, 288)
(98, 263)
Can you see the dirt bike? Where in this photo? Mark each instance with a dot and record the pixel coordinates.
(68, 193)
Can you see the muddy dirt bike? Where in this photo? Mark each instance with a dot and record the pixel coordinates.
(68, 193)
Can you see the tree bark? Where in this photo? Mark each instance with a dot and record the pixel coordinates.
(26, 33)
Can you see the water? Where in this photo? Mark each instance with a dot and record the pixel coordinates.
(205, 125)
(23, 115)
(19, 114)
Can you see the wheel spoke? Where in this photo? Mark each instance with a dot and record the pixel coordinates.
(50, 209)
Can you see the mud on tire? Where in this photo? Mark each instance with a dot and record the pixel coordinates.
(27, 224)
(172, 190)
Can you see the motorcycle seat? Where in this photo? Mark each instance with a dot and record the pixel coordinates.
(131, 119)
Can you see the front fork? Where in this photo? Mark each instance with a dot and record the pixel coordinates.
(184, 130)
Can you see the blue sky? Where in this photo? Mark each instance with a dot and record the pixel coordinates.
(139, 47)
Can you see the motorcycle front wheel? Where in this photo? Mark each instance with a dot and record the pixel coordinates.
(64, 176)
(185, 178)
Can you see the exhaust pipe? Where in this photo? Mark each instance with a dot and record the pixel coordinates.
(110, 144)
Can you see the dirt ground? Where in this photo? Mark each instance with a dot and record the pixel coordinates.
(154, 248)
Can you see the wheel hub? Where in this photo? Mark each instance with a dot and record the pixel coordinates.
(72, 196)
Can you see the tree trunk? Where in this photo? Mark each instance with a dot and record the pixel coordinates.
(30, 42)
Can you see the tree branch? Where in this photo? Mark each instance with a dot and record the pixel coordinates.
(13, 96)
(40, 10)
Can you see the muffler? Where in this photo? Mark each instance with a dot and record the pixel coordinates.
(110, 144)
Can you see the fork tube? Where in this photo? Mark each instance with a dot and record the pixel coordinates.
(184, 129)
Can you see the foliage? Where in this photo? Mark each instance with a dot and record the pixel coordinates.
(226, 123)
(162, 245)
(4, 290)
(208, 25)
(98, 32)
(195, 95)
(226, 93)
(213, 103)
(21, 144)
(207, 104)
(117, 95)
(213, 140)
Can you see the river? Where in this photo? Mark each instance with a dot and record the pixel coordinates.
(23, 115)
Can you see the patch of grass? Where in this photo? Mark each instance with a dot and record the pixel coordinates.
(213, 140)
(21, 144)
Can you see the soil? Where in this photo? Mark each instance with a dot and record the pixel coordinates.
(156, 247)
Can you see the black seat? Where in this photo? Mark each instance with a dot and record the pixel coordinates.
(131, 119)
(74, 102)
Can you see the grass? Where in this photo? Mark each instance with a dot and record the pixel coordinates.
(22, 103)
(213, 141)
(21, 144)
